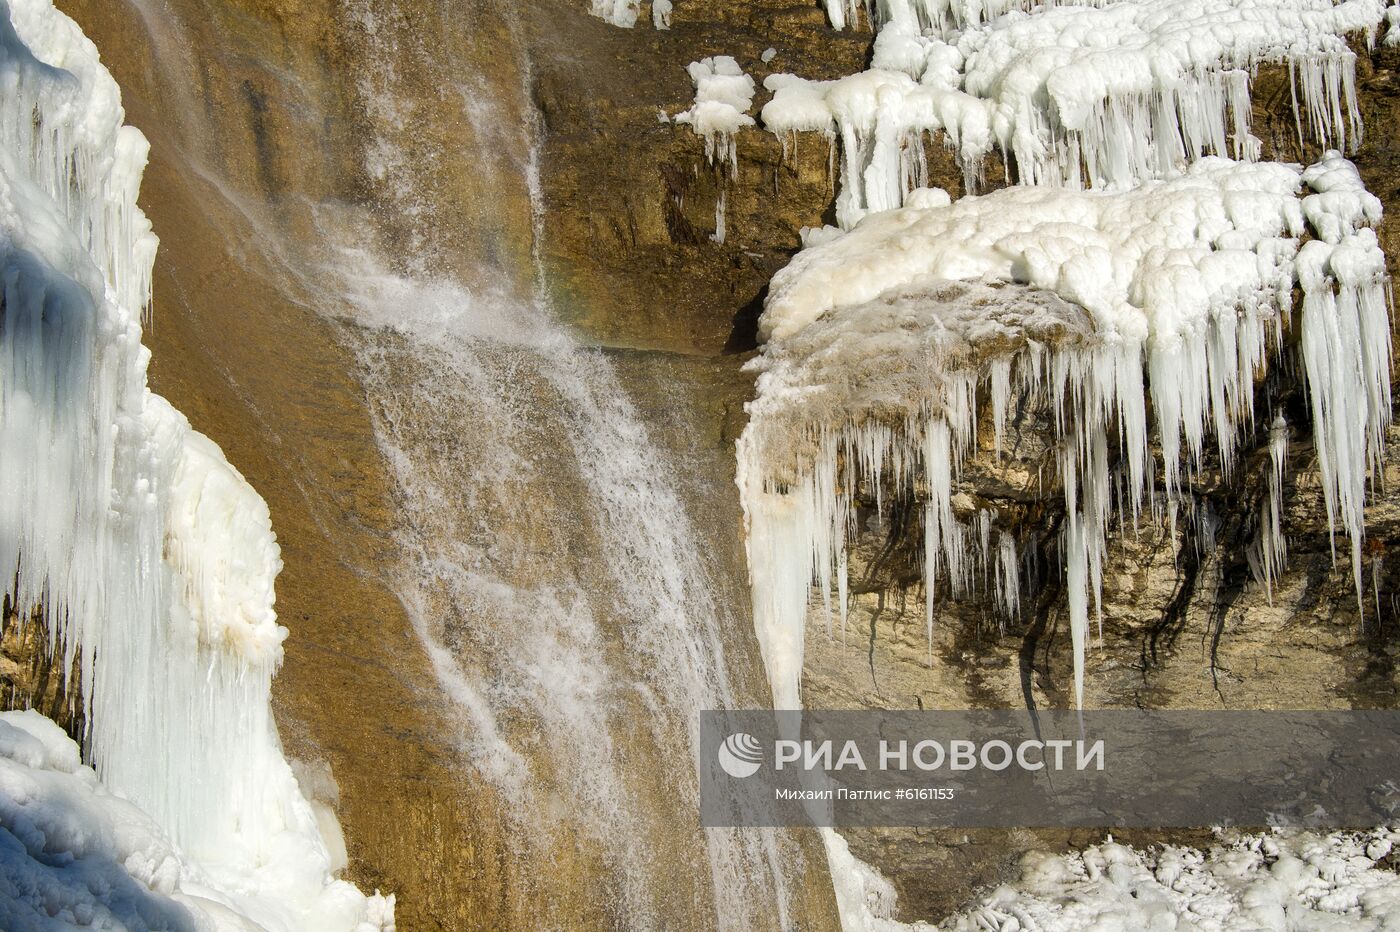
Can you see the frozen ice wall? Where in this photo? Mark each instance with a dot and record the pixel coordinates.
(940, 16)
(1165, 287)
(1171, 281)
(150, 556)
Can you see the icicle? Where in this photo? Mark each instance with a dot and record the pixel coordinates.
(1174, 87)
(872, 350)
(661, 14)
(1346, 341)
(1273, 543)
(723, 96)
(1008, 578)
(842, 591)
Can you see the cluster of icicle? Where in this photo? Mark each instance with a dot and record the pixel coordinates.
(723, 97)
(1181, 261)
(624, 13)
(879, 343)
(1078, 95)
(942, 16)
(151, 558)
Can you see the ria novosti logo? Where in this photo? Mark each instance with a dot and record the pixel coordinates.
(740, 755)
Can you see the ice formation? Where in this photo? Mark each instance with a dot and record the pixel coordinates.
(723, 98)
(618, 12)
(624, 13)
(879, 343)
(74, 854)
(152, 559)
(938, 16)
(1078, 95)
(1166, 286)
(1246, 882)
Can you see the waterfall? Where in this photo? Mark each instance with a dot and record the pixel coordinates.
(550, 563)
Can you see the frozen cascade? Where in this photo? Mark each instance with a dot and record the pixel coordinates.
(1077, 95)
(1176, 280)
(936, 16)
(880, 342)
(551, 563)
(151, 557)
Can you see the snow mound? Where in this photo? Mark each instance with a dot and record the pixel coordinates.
(1246, 882)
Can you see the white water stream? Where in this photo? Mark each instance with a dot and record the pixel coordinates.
(551, 565)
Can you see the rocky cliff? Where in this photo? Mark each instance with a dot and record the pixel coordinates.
(258, 113)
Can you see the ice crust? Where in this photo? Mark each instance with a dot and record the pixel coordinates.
(1245, 882)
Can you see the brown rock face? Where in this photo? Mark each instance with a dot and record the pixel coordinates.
(32, 674)
(632, 199)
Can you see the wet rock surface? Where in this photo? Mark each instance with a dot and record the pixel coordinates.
(632, 198)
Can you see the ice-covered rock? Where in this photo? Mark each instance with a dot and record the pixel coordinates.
(1077, 95)
(1090, 304)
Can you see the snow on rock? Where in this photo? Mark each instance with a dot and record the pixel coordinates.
(73, 854)
(70, 852)
(1081, 95)
(723, 97)
(1246, 882)
(624, 13)
(880, 341)
(661, 14)
(152, 558)
(618, 12)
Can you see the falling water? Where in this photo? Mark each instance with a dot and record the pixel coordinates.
(550, 565)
